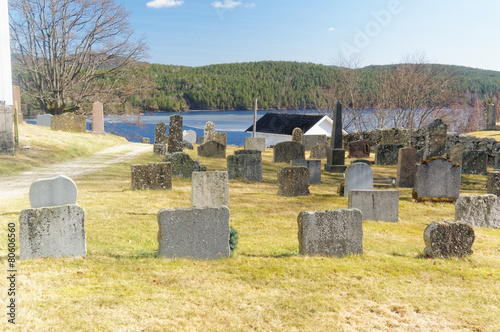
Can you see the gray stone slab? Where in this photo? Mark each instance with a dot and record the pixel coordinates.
(318, 151)
(359, 149)
(437, 178)
(60, 190)
(285, 152)
(190, 136)
(175, 134)
(212, 149)
(159, 149)
(407, 167)
(52, 232)
(255, 143)
(478, 210)
(358, 176)
(69, 122)
(246, 166)
(314, 167)
(375, 204)
(493, 184)
(183, 166)
(435, 139)
(311, 140)
(331, 232)
(160, 133)
(152, 176)
(197, 233)
(475, 162)
(44, 120)
(293, 181)
(387, 154)
(210, 189)
(448, 239)
(6, 131)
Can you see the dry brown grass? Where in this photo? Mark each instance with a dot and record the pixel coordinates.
(266, 286)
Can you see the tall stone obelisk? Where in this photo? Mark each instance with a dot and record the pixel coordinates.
(335, 154)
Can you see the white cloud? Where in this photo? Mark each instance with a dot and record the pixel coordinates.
(331, 29)
(164, 3)
(230, 4)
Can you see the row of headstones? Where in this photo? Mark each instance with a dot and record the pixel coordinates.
(54, 226)
(74, 122)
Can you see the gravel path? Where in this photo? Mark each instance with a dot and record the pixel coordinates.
(18, 185)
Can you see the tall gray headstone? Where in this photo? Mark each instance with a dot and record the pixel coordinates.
(6, 130)
(335, 154)
(209, 132)
(493, 184)
(331, 232)
(175, 134)
(407, 167)
(358, 176)
(197, 233)
(437, 179)
(435, 139)
(160, 133)
(209, 189)
(491, 116)
(60, 190)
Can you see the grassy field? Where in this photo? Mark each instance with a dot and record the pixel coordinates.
(266, 286)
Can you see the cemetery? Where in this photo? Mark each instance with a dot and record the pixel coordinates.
(325, 261)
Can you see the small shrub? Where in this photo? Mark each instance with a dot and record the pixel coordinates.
(233, 239)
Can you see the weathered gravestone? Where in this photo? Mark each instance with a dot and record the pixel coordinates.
(160, 133)
(197, 233)
(97, 118)
(496, 166)
(145, 140)
(456, 153)
(435, 139)
(69, 122)
(293, 181)
(210, 189)
(297, 135)
(448, 239)
(478, 210)
(314, 167)
(493, 184)
(159, 149)
(175, 134)
(245, 164)
(437, 178)
(491, 117)
(255, 143)
(221, 138)
(407, 167)
(318, 151)
(387, 154)
(208, 132)
(285, 152)
(44, 120)
(311, 140)
(359, 149)
(152, 176)
(335, 154)
(331, 232)
(358, 176)
(6, 130)
(52, 232)
(60, 190)
(475, 162)
(375, 204)
(183, 166)
(212, 149)
(190, 136)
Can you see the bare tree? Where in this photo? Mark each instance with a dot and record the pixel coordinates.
(67, 50)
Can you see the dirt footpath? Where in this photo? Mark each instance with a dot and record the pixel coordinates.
(18, 185)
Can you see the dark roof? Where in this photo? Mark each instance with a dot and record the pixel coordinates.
(285, 123)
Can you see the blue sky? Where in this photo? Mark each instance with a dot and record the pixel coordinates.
(203, 32)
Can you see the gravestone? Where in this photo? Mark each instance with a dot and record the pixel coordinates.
(44, 120)
(175, 134)
(212, 149)
(388, 136)
(358, 176)
(16, 96)
(285, 152)
(245, 164)
(364, 161)
(318, 151)
(359, 149)
(197, 233)
(293, 181)
(97, 118)
(387, 154)
(297, 135)
(435, 139)
(335, 154)
(183, 166)
(190, 136)
(448, 239)
(375, 204)
(456, 153)
(221, 138)
(60, 190)
(493, 184)
(159, 149)
(478, 210)
(208, 132)
(314, 167)
(437, 178)
(496, 166)
(407, 167)
(475, 162)
(210, 189)
(152, 176)
(330, 233)
(491, 117)
(160, 133)
(6, 130)
(255, 143)
(52, 232)
(145, 140)
(311, 140)
(69, 122)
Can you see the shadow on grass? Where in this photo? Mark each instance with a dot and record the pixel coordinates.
(284, 255)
